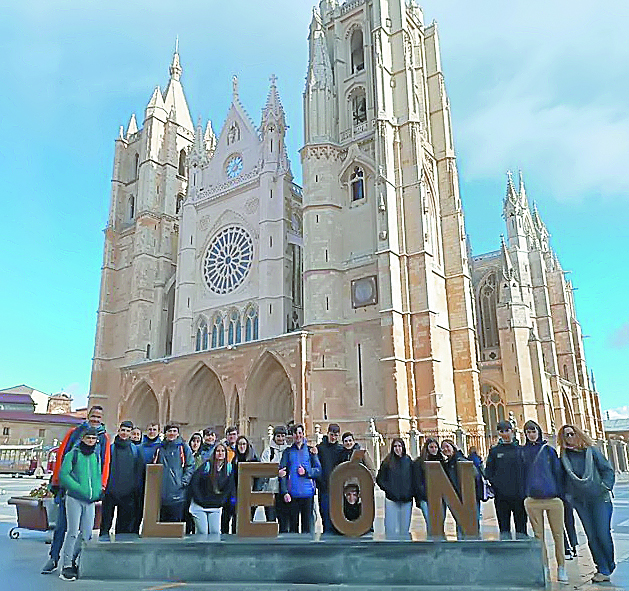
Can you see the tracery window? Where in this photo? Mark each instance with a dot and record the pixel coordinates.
(228, 260)
(357, 183)
(234, 332)
(202, 336)
(218, 332)
(488, 301)
(493, 407)
(251, 324)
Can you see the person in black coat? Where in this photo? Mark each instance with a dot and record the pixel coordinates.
(244, 453)
(124, 485)
(451, 457)
(430, 453)
(504, 470)
(395, 478)
(330, 451)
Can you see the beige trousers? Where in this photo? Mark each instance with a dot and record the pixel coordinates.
(554, 508)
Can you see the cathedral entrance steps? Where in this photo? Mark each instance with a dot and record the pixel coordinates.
(304, 563)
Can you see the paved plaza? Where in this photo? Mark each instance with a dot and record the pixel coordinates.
(21, 559)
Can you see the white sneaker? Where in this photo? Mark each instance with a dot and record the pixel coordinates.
(562, 575)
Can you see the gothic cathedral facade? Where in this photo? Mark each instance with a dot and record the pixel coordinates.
(229, 295)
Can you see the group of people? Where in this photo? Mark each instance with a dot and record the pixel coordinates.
(200, 483)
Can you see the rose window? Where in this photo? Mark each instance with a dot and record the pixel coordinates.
(228, 260)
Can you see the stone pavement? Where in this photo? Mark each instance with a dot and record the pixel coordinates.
(21, 560)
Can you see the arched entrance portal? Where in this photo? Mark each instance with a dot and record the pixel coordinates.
(201, 403)
(141, 407)
(268, 399)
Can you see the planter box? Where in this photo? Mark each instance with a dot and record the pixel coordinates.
(40, 514)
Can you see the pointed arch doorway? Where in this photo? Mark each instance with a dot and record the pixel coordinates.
(269, 399)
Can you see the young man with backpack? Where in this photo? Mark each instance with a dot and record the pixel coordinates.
(176, 457)
(273, 454)
(299, 467)
(505, 471)
(80, 476)
(126, 472)
(330, 451)
(72, 438)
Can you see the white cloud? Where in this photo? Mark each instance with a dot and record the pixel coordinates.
(540, 85)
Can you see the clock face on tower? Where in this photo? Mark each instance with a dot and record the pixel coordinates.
(234, 166)
(364, 292)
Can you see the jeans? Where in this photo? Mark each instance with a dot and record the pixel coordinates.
(570, 541)
(397, 519)
(228, 518)
(206, 521)
(324, 510)
(596, 517)
(80, 516)
(535, 508)
(504, 508)
(61, 525)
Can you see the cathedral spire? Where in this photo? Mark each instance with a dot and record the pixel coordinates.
(512, 194)
(522, 190)
(175, 67)
(320, 69)
(156, 102)
(132, 127)
(175, 100)
(273, 110)
(210, 138)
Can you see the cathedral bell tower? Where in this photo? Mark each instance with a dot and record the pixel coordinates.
(136, 304)
(387, 283)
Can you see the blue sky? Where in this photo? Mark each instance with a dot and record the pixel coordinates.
(535, 85)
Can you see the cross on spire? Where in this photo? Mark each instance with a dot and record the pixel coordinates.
(273, 79)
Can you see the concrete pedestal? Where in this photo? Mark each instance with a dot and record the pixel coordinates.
(294, 559)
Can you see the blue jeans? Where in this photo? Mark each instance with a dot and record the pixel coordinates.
(60, 528)
(596, 517)
(324, 510)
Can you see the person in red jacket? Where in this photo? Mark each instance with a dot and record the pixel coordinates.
(72, 438)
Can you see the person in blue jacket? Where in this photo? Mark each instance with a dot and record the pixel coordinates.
(543, 492)
(589, 483)
(299, 468)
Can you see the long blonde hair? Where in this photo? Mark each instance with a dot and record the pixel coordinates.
(581, 439)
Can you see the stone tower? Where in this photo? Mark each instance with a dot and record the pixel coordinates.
(532, 359)
(387, 284)
(137, 285)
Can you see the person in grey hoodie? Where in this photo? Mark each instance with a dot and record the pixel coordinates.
(176, 457)
(589, 483)
(273, 454)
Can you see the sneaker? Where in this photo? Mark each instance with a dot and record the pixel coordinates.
(575, 551)
(68, 574)
(562, 575)
(600, 578)
(49, 567)
(568, 555)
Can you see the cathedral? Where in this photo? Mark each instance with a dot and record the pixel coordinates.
(231, 295)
